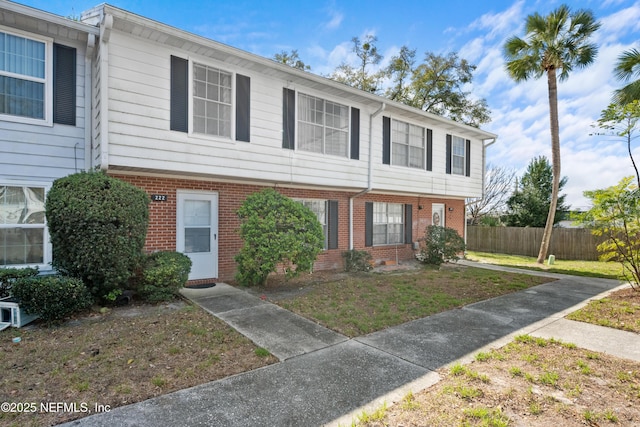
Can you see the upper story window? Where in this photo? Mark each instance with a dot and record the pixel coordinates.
(219, 105)
(323, 126)
(457, 155)
(23, 76)
(211, 101)
(408, 145)
(405, 144)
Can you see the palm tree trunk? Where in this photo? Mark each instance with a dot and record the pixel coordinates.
(555, 162)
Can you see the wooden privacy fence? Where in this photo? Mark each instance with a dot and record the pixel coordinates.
(566, 243)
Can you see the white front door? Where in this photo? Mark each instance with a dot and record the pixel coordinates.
(437, 214)
(197, 234)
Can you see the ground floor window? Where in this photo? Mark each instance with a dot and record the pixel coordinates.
(388, 223)
(22, 225)
(318, 207)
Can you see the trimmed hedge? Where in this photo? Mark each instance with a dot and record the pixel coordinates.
(98, 226)
(163, 275)
(53, 298)
(10, 275)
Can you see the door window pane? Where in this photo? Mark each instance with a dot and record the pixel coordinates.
(197, 213)
(197, 240)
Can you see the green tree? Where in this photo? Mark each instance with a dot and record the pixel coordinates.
(276, 231)
(554, 45)
(361, 76)
(291, 59)
(622, 121)
(529, 205)
(98, 226)
(615, 214)
(437, 86)
(628, 67)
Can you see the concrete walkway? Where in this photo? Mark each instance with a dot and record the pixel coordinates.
(324, 378)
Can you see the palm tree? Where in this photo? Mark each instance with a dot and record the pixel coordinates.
(553, 45)
(627, 67)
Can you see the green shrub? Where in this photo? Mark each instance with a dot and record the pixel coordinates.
(355, 260)
(9, 275)
(98, 226)
(51, 297)
(441, 245)
(276, 232)
(163, 274)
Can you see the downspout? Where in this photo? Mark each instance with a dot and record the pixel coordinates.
(370, 174)
(105, 34)
(88, 101)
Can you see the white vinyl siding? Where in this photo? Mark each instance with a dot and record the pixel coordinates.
(212, 94)
(25, 78)
(323, 126)
(388, 223)
(408, 145)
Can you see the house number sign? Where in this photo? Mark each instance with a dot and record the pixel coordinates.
(159, 197)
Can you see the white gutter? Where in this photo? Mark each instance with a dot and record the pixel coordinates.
(370, 174)
(105, 35)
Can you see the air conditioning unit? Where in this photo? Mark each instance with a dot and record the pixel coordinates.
(12, 314)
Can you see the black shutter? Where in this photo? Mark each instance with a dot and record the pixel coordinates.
(179, 94)
(288, 118)
(386, 140)
(468, 158)
(368, 224)
(408, 223)
(449, 154)
(332, 224)
(243, 102)
(355, 133)
(429, 150)
(64, 85)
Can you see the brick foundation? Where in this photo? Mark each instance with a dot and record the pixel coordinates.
(161, 234)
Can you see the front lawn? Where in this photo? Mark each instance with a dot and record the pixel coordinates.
(608, 270)
(357, 304)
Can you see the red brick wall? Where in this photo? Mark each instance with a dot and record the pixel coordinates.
(162, 218)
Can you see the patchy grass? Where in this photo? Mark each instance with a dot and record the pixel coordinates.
(608, 270)
(358, 304)
(512, 388)
(128, 355)
(620, 310)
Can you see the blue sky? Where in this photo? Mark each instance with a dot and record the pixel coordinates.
(321, 31)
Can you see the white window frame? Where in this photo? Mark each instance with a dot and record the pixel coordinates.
(323, 127)
(408, 142)
(322, 216)
(381, 218)
(456, 143)
(46, 250)
(192, 98)
(47, 80)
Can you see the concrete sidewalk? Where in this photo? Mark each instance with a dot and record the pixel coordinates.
(324, 378)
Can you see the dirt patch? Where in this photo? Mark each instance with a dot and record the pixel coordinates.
(530, 382)
(125, 355)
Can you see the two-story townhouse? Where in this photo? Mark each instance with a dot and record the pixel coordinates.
(45, 102)
(200, 125)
